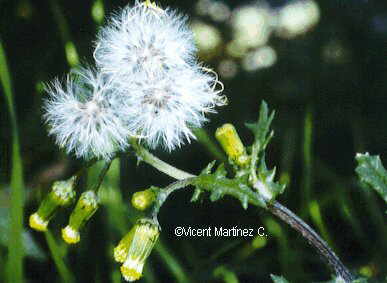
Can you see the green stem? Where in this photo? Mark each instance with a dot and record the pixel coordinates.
(157, 163)
(64, 271)
(164, 193)
(102, 175)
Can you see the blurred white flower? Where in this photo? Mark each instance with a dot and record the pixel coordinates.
(260, 58)
(219, 11)
(207, 37)
(236, 50)
(227, 68)
(202, 7)
(252, 25)
(144, 39)
(297, 18)
(162, 111)
(83, 115)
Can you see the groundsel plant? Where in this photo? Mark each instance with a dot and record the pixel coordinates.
(148, 89)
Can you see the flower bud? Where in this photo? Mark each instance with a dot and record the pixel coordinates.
(121, 250)
(232, 144)
(135, 248)
(143, 199)
(86, 206)
(62, 194)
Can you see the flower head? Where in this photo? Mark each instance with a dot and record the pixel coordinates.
(135, 247)
(86, 206)
(164, 110)
(62, 194)
(84, 115)
(148, 85)
(144, 38)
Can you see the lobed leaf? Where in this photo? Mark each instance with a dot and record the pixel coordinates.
(372, 173)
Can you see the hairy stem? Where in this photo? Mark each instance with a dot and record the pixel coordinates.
(275, 208)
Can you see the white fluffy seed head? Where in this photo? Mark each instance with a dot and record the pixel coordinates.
(142, 39)
(82, 115)
(163, 110)
(150, 55)
(148, 85)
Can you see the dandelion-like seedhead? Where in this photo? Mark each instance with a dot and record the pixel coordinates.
(164, 110)
(147, 85)
(146, 39)
(83, 115)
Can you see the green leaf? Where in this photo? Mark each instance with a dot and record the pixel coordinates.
(263, 181)
(341, 280)
(261, 129)
(220, 172)
(216, 194)
(237, 188)
(372, 173)
(244, 201)
(278, 279)
(266, 183)
(15, 247)
(196, 194)
(209, 167)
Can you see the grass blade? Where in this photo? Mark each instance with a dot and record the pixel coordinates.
(16, 253)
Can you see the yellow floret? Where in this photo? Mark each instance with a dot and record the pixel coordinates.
(37, 223)
(70, 235)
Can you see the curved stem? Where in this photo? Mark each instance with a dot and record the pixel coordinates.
(157, 163)
(164, 193)
(313, 238)
(275, 207)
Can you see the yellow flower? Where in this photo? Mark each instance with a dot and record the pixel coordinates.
(86, 206)
(62, 194)
(135, 247)
(232, 144)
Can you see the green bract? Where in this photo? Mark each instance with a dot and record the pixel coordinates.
(372, 173)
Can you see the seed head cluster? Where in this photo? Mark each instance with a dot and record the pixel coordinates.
(146, 84)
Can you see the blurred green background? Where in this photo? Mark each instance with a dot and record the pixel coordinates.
(321, 65)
